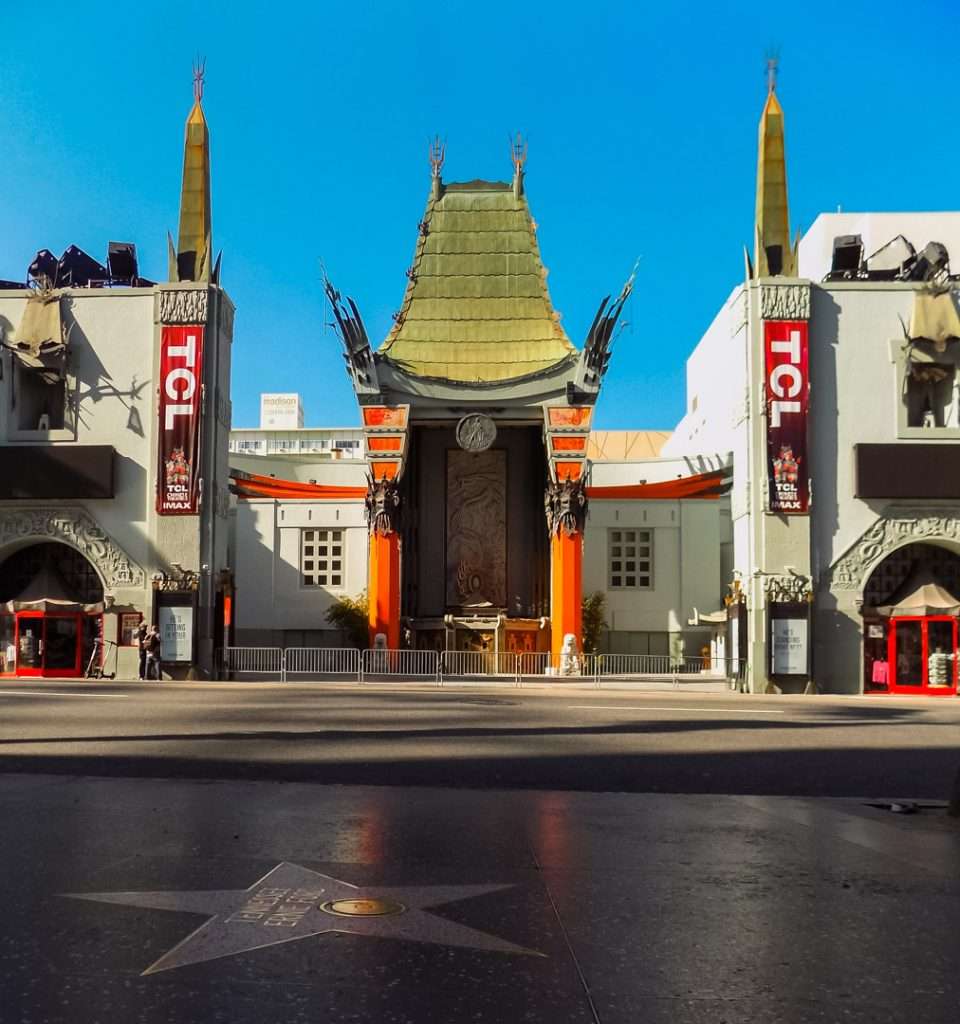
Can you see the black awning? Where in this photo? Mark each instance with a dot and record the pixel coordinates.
(61, 471)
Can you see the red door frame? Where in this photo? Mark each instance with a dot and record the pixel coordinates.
(924, 688)
(60, 673)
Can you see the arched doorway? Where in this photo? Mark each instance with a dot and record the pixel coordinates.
(910, 629)
(51, 605)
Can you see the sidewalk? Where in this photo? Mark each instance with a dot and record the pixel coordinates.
(152, 900)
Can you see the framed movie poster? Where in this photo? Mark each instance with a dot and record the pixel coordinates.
(788, 647)
(176, 632)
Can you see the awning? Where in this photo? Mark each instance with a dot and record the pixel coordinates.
(39, 342)
(253, 485)
(47, 592)
(935, 317)
(920, 594)
(701, 485)
(708, 618)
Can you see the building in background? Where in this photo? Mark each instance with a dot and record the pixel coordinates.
(281, 412)
(114, 420)
(476, 413)
(832, 375)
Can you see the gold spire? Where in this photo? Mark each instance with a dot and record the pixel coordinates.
(773, 253)
(192, 259)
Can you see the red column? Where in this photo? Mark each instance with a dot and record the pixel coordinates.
(566, 589)
(383, 587)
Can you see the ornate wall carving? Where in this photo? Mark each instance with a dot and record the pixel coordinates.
(382, 506)
(901, 526)
(179, 306)
(787, 588)
(785, 301)
(75, 527)
(476, 529)
(565, 505)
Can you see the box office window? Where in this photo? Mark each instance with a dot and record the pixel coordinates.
(322, 558)
(630, 559)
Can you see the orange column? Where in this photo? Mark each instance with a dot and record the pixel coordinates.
(383, 587)
(566, 590)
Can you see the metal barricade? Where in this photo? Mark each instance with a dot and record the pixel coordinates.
(479, 665)
(322, 661)
(542, 666)
(262, 661)
(399, 664)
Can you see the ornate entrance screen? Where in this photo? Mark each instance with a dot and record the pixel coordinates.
(476, 529)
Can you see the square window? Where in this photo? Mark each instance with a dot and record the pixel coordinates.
(321, 560)
(629, 561)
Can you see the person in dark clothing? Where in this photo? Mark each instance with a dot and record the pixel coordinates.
(153, 654)
(142, 648)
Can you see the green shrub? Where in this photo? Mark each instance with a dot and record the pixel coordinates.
(349, 615)
(593, 610)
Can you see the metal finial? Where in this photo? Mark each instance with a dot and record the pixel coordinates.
(199, 67)
(518, 153)
(773, 62)
(438, 151)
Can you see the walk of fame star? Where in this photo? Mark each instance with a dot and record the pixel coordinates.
(291, 902)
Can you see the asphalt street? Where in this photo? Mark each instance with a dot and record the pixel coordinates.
(486, 737)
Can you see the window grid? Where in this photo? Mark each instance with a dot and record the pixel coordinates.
(630, 560)
(321, 558)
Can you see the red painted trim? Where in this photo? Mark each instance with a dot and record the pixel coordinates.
(706, 486)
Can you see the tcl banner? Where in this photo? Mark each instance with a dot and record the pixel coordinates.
(788, 391)
(178, 474)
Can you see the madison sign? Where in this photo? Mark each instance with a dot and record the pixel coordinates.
(178, 472)
(787, 364)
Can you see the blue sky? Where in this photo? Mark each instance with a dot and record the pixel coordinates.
(641, 120)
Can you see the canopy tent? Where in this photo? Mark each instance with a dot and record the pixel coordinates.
(47, 592)
(920, 594)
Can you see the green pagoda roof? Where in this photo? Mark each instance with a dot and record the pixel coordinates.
(477, 309)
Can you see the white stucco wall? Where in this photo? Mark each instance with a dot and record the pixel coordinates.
(270, 596)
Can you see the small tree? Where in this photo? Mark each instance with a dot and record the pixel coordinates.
(593, 612)
(349, 615)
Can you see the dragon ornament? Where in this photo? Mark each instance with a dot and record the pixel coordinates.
(565, 504)
(382, 506)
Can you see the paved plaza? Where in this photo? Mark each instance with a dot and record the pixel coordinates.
(196, 853)
(162, 900)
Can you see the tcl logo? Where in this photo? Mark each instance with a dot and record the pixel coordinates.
(785, 379)
(180, 382)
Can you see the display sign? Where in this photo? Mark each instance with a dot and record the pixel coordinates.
(128, 626)
(181, 387)
(788, 647)
(176, 632)
(786, 360)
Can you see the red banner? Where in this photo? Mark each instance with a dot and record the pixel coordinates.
(181, 378)
(787, 366)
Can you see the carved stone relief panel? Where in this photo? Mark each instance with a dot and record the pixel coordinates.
(179, 306)
(75, 527)
(476, 569)
(787, 588)
(901, 526)
(785, 301)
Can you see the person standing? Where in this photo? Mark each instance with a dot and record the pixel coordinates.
(153, 654)
(142, 648)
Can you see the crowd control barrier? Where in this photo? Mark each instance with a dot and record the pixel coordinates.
(507, 667)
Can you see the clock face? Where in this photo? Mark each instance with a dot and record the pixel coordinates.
(476, 432)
